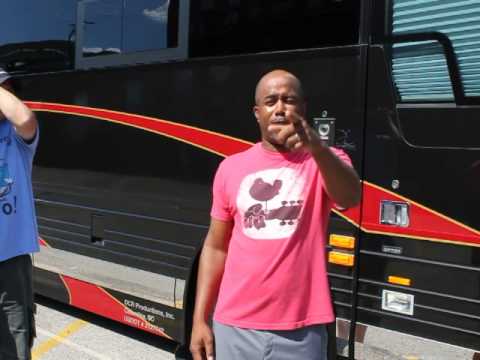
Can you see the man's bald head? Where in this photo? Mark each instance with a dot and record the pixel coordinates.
(279, 102)
(272, 76)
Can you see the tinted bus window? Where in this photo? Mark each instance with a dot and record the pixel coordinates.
(220, 27)
(38, 35)
(126, 32)
(118, 26)
(102, 27)
(147, 25)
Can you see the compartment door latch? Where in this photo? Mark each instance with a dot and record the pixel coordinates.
(395, 213)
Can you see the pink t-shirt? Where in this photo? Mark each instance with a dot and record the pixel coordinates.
(275, 274)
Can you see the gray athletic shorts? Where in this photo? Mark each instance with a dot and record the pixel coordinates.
(232, 343)
(17, 326)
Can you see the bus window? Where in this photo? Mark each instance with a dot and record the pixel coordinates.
(223, 27)
(420, 68)
(102, 28)
(37, 36)
(115, 26)
(120, 32)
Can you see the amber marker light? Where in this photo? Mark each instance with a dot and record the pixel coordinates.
(342, 241)
(341, 258)
(399, 280)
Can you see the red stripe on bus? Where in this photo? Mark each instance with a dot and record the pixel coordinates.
(424, 223)
(95, 299)
(215, 142)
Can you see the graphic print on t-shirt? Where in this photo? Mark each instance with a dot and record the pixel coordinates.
(5, 181)
(270, 202)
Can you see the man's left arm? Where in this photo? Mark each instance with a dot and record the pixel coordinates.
(341, 180)
(21, 117)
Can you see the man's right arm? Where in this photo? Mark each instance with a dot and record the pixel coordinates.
(21, 117)
(210, 272)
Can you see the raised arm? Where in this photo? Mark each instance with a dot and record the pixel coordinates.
(21, 117)
(341, 181)
(210, 271)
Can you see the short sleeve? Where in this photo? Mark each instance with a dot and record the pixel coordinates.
(221, 209)
(29, 147)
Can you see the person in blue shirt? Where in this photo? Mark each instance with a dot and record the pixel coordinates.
(18, 226)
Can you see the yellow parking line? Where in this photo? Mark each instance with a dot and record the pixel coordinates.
(57, 339)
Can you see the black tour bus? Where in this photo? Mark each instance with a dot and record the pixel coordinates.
(139, 100)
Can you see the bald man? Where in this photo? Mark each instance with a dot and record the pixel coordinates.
(263, 259)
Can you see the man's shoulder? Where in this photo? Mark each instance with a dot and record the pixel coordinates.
(241, 156)
(5, 131)
(4, 123)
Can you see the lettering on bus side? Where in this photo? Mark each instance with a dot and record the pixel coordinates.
(148, 313)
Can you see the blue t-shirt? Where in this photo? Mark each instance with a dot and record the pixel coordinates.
(18, 224)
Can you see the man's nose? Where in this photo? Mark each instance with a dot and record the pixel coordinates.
(280, 107)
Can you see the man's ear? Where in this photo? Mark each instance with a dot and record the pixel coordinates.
(255, 111)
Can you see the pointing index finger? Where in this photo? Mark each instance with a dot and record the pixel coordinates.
(296, 118)
(298, 123)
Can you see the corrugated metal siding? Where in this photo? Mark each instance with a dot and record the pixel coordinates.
(420, 69)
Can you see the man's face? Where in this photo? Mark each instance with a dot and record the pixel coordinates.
(279, 98)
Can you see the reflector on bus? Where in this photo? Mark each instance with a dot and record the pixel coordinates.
(341, 258)
(399, 280)
(342, 241)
